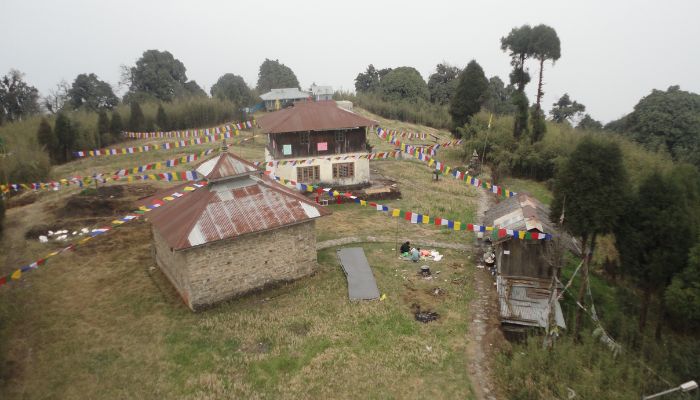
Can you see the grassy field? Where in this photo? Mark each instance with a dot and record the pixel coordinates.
(103, 322)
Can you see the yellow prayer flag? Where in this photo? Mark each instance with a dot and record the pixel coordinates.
(457, 225)
(335, 193)
(158, 165)
(117, 222)
(431, 162)
(152, 176)
(489, 228)
(123, 150)
(521, 234)
(85, 239)
(143, 208)
(363, 202)
(16, 275)
(188, 188)
(169, 198)
(426, 219)
(395, 212)
(237, 132)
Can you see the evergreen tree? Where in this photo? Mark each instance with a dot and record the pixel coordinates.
(539, 127)
(403, 83)
(116, 126)
(47, 139)
(66, 136)
(102, 122)
(544, 46)
(471, 93)
(565, 109)
(518, 43)
(588, 123)
(443, 83)
(590, 190)
(137, 121)
(273, 75)
(654, 237)
(234, 88)
(162, 119)
(367, 81)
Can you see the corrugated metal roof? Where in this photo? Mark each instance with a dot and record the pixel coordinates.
(312, 116)
(526, 302)
(320, 90)
(225, 165)
(284, 94)
(227, 209)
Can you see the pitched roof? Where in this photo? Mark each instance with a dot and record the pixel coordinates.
(321, 90)
(225, 165)
(284, 94)
(312, 116)
(520, 212)
(228, 209)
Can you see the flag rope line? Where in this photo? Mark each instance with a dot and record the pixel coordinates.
(228, 126)
(132, 216)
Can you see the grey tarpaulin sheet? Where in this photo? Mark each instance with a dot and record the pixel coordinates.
(361, 283)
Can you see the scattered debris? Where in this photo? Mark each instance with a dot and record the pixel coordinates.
(424, 271)
(426, 316)
(438, 291)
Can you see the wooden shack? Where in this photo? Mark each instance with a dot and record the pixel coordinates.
(317, 142)
(525, 266)
(241, 232)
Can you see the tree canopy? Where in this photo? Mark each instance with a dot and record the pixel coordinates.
(590, 124)
(137, 121)
(158, 74)
(442, 84)
(668, 120)
(273, 75)
(367, 81)
(471, 93)
(565, 109)
(91, 93)
(499, 99)
(404, 83)
(18, 99)
(544, 45)
(234, 88)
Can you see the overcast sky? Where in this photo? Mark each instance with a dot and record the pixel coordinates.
(613, 51)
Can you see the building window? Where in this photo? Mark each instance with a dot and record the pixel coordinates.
(344, 170)
(304, 137)
(309, 174)
(340, 136)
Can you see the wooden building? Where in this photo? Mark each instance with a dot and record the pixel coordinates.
(317, 142)
(241, 232)
(525, 267)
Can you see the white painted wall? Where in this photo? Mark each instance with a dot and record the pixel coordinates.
(288, 171)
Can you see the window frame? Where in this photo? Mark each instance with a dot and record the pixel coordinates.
(349, 170)
(315, 175)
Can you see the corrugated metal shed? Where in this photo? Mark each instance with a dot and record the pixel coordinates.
(284, 94)
(526, 302)
(321, 90)
(312, 116)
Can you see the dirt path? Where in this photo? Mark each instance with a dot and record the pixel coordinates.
(484, 335)
(364, 239)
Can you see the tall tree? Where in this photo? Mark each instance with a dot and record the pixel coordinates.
(18, 99)
(367, 81)
(233, 88)
(404, 83)
(116, 125)
(565, 109)
(2, 213)
(66, 135)
(443, 83)
(57, 97)
(159, 75)
(544, 46)
(499, 99)
(89, 92)
(590, 124)
(162, 119)
(273, 75)
(590, 190)
(667, 120)
(46, 137)
(654, 238)
(137, 121)
(682, 297)
(518, 44)
(471, 93)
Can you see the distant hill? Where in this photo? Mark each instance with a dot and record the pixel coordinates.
(667, 121)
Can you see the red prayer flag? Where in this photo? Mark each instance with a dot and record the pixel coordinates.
(438, 221)
(408, 215)
(470, 227)
(501, 233)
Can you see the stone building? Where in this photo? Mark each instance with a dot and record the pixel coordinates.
(241, 232)
(317, 142)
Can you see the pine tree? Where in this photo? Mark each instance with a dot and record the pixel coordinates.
(471, 93)
(66, 136)
(116, 126)
(137, 121)
(47, 139)
(590, 190)
(162, 119)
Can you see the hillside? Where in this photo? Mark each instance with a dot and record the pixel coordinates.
(92, 319)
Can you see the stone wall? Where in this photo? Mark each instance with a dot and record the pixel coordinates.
(230, 268)
(173, 265)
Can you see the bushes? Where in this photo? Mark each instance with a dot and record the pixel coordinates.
(417, 112)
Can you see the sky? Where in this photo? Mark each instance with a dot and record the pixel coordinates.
(613, 52)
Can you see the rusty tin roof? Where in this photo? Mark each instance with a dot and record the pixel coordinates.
(223, 166)
(312, 116)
